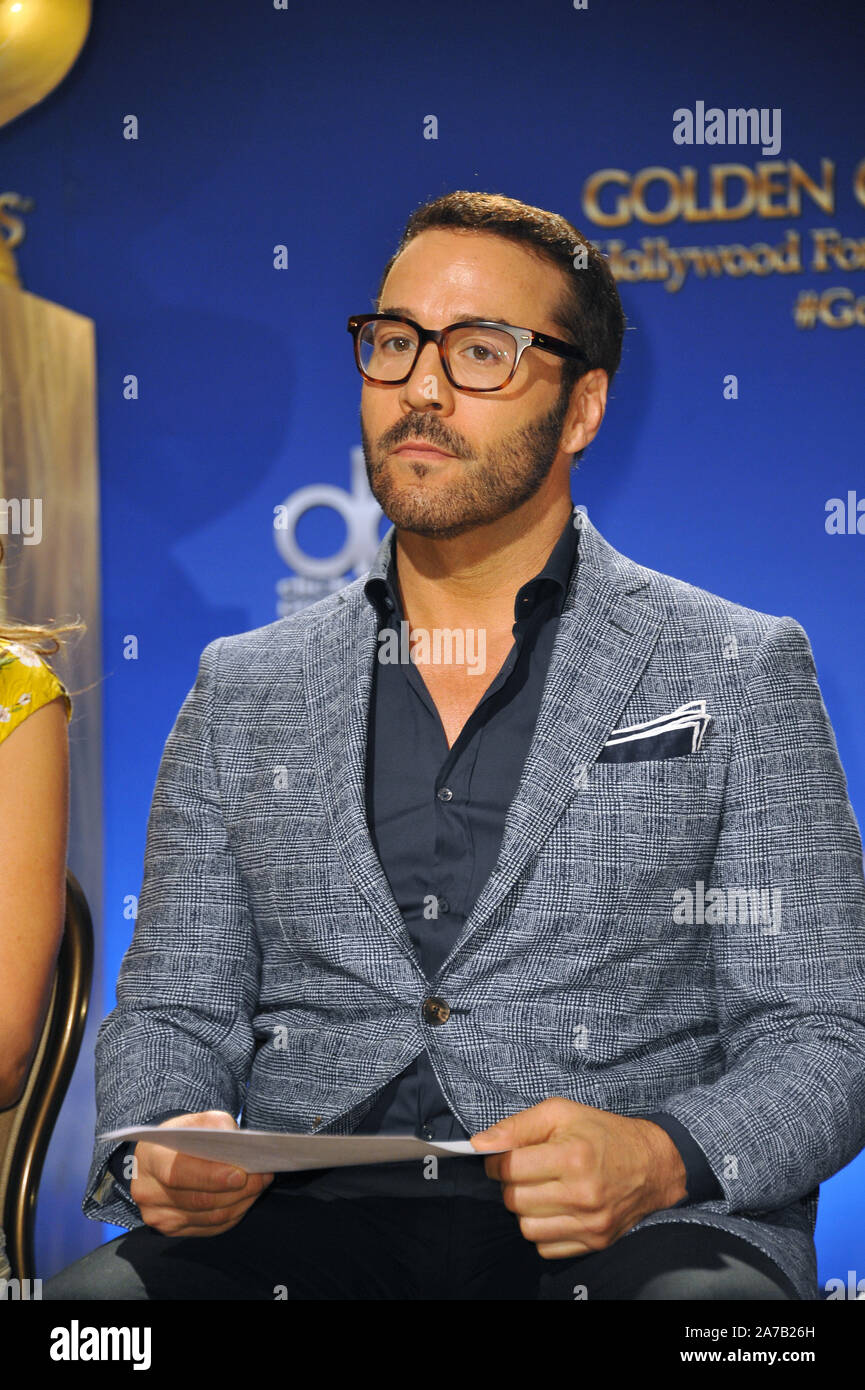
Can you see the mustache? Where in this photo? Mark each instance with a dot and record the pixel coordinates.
(408, 431)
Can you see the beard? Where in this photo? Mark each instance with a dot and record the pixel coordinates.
(510, 472)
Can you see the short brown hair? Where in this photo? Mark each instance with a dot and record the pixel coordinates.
(590, 311)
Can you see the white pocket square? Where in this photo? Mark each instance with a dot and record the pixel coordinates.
(691, 717)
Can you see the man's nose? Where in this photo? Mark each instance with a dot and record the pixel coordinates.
(427, 386)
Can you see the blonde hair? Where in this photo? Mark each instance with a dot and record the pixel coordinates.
(37, 636)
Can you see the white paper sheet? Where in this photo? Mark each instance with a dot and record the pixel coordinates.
(265, 1151)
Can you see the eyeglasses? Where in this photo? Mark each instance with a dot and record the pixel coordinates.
(480, 355)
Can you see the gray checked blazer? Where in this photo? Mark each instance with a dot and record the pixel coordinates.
(270, 970)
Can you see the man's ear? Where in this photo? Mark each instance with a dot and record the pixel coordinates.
(585, 411)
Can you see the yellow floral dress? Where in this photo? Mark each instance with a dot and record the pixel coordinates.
(26, 684)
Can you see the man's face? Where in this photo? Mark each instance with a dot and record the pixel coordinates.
(502, 445)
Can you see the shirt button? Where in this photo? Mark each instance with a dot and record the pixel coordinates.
(444, 794)
(426, 1132)
(444, 905)
(436, 1010)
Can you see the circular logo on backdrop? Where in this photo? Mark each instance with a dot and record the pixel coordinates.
(317, 575)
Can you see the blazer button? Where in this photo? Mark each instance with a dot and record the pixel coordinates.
(436, 1010)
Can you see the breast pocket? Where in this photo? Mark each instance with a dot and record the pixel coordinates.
(648, 811)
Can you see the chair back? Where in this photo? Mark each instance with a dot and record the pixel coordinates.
(27, 1126)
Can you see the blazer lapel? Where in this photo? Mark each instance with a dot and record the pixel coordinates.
(606, 634)
(339, 652)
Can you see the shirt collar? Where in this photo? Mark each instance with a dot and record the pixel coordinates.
(383, 594)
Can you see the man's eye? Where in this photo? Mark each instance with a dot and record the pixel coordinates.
(482, 353)
(396, 345)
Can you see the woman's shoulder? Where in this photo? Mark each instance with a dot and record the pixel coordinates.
(27, 683)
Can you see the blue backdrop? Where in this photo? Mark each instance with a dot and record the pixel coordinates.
(190, 143)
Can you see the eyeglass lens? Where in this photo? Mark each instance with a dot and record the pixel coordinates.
(476, 357)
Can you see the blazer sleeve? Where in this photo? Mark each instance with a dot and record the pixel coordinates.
(788, 1109)
(180, 1039)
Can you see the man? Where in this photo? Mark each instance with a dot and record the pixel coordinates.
(454, 895)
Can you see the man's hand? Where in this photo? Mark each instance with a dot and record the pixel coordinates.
(184, 1196)
(577, 1177)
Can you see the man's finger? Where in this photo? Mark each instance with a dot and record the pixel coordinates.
(184, 1172)
(535, 1163)
(172, 1221)
(563, 1250)
(149, 1190)
(532, 1126)
(549, 1230)
(538, 1199)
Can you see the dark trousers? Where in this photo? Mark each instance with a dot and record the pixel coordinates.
(376, 1234)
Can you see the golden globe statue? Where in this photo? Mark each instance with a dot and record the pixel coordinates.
(39, 42)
